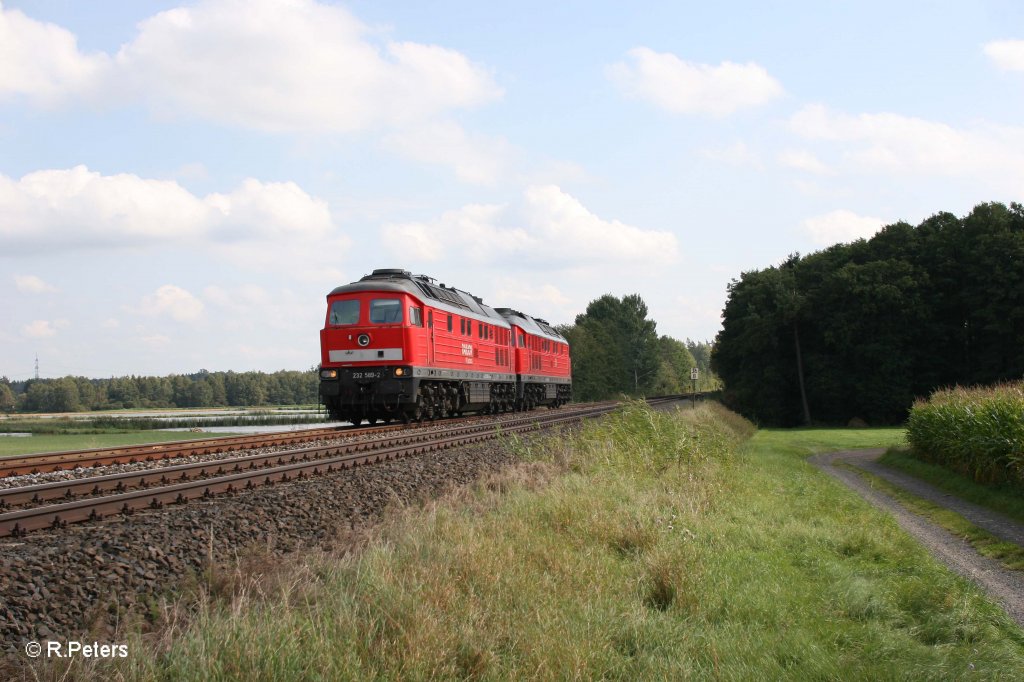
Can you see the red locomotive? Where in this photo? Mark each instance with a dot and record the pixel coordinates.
(400, 346)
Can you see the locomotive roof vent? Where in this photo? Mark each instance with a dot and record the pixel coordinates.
(510, 311)
(389, 272)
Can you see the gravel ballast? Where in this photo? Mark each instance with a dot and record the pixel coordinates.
(86, 578)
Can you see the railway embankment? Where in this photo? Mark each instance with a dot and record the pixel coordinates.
(645, 546)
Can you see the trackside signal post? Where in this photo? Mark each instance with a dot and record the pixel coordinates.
(693, 378)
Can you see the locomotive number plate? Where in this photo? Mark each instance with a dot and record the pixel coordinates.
(368, 375)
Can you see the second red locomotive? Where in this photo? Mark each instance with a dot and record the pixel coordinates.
(400, 346)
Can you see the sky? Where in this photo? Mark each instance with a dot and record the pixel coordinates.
(182, 183)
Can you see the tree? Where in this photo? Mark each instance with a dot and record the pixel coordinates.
(614, 348)
(874, 323)
(674, 364)
(7, 400)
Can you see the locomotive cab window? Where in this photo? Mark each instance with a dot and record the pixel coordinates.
(415, 316)
(385, 311)
(345, 312)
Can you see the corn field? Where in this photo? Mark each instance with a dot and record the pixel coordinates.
(978, 432)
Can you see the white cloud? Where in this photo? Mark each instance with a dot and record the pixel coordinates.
(67, 209)
(173, 301)
(1008, 55)
(803, 160)
(681, 87)
(295, 66)
(901, 144)
(42, 61)
(42, 329)
(269, 210)
(568, 230)
(31, 284)
(253, 311)
(548, 227)
(472, 229)
(517, 294)
(840, 226)
(244, 295)
(476, 159)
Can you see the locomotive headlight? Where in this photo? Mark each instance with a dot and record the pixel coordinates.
(399, 371)
(328, 374)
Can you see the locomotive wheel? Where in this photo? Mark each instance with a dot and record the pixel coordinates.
(422, 410)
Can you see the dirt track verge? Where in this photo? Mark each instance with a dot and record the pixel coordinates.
(1002, 584)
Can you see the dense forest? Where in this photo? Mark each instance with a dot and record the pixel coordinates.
(858, 330)
(615, 350)
(203, 389)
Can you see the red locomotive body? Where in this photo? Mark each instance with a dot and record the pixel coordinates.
(543, 366)
(399, 346)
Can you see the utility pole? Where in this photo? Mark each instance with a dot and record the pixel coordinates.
(37, 366)
(693, 378)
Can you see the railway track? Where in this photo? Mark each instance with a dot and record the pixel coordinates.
(47, 462)
(153, 452)
(96, 497)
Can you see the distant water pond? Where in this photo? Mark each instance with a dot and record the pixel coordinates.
(271, 428)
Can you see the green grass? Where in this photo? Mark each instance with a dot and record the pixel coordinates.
(18, 445)
(1007, 553)
(649, 546)
(816, 440)
(1006, 499)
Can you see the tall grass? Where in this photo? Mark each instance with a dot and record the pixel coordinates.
(978, 432)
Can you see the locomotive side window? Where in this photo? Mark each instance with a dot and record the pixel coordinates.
(462, 325)
(345, 312)
(385, 311)
(449, 323)
(415, 316)
(430, 319)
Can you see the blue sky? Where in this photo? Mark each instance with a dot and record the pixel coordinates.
(182, 183)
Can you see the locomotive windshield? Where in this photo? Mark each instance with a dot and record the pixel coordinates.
(385, 311)
(345, 312)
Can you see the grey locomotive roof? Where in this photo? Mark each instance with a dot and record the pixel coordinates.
(533, 325)
(445, 298)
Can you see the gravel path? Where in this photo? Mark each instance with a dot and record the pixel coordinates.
(1002, 584)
